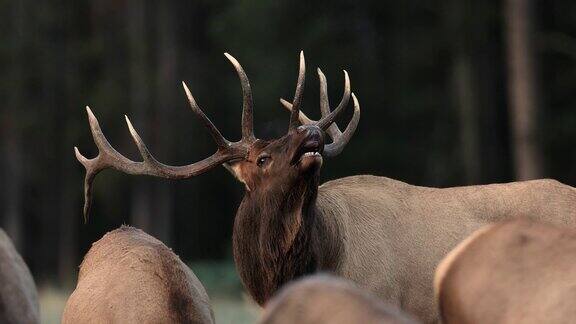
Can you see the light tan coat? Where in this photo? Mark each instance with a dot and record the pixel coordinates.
(512, 272)
(329, 299)
(130, 277)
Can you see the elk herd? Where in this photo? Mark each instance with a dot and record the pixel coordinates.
(359, 249)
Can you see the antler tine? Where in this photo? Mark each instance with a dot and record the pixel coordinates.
(333, 129)
(329, 119)
(340, 142)
(221, 142)
(93, 166)
(88, 179)
(294, 116)
(301, 116)
(248, 104)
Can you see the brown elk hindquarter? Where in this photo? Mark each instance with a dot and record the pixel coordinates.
(517, 271)
(130, 277)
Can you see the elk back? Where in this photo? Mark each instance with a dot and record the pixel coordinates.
(329, 299)
(129, 276)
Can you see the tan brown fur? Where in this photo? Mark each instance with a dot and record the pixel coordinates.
(328, 299)
(517, 271)
(450, 258)
(18, 294)
(130, 277)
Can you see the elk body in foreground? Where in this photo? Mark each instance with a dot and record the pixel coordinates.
(329, 299)
(129, 276)
(18, 294)
(511, 272)
(384, 234)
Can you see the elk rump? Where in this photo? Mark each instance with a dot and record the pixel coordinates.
(325, 298)
(516, 271)
(129, 276)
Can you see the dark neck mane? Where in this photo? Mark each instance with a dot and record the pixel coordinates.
(276, 238)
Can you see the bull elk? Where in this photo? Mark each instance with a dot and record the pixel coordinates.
(515, 271)
(18, 294)
(384, 234)
(129, 276)
(329, 299)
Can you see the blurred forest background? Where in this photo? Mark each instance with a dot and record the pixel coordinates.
(453, 92)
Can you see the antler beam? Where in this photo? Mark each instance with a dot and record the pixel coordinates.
(108, 157)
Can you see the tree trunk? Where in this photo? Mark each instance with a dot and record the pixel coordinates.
(69, 218)
(522, 90)
(464, 88)
(141, 213)
(465, 99)
(13, 216)
(12, 137)
(165, 85)
(69, 213)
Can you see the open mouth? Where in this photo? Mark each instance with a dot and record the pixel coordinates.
(310, 148)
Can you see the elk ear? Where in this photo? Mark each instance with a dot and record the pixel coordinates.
(235, 168)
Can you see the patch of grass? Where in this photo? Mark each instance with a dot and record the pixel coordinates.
(52, 302)
(219, 278)
(229, 300)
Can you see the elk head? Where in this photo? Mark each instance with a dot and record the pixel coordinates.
(259, 164)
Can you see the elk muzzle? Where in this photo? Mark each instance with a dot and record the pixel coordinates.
(310, 141)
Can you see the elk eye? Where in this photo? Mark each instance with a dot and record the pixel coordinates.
(262, 160)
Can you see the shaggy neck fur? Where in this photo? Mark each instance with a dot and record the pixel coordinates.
(276, 237)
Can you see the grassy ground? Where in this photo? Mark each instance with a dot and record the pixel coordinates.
(229, 303)
(52, 303)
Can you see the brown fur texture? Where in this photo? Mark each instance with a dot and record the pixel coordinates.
(129, 276)
(516, 271)
(329, 299)
(383, 234)
(18, 294)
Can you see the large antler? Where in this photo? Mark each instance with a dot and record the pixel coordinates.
(339, 139)
(108, 157)
(298, 94)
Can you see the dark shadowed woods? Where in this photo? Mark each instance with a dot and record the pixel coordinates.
(452, 93)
